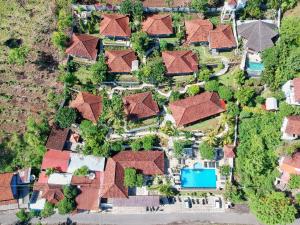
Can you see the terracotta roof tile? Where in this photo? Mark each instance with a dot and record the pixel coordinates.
(158, 24)
(58, 160)
(53, 194)
(89, 105)
(229, 151)
(57, 138)
(291, 164)
(195, 108)
(197, 30)
(140, 105)
(6, 192)
(180, 62)
(296, 85)
(120, 61)
(221, 37)
(293, 125)
(83, 46)
(115, 25)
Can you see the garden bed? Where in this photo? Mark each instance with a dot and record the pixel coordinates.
(141, 123)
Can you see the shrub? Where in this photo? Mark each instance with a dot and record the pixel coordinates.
(66, 206)
(175, 95)
(225, 170)
(48, 210)
(211, 85)
(148, 142)
(232, 109)
(163, 45)
(178, 149)
(65, 117)
(59, 40)
(136, 145)
(132, 179)
(193, 90)
(294, 182)
(82, 171)
(23, 216)
(225, 93)
(207, 151)
(204, 74)
(18, 55)
(167, 190)
(260, 100)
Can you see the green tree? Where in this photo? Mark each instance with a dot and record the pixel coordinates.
(294, 182)
(274, 208)
(204, 74)
(23, 216)
(64, 20)
(66, 206)
(175, 95)
(59, 40)
(65, 117)
(225, 170)
(82, 171)
(233, 193)
(178, 149)
(232, 109)
(225, 93)
(244, 95)
(136, 144)
(193, 90)
(207, 151)
(252, 9)
(99, 70)
(126, 7)
(18, 55)
(240, 77)
(48, 210)
(148, 142)
(167, 190)
(199, 5)
(132, 179)
(140, 42)
(212, 85)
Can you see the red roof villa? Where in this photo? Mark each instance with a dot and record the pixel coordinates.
(291, 128)
(88, 105)
(221, 38)
(147, 162)
(139, 106)
(115, 25)
(8, 189)
(158, 25)
(180, 62)
(58, 160)
(120, 61)
(57, 138)
(197, 31)
(195, 108)
(84, 46)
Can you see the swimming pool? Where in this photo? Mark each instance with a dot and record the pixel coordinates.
(254, 66)
(198, 178)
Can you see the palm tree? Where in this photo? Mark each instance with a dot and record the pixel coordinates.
(211, 138)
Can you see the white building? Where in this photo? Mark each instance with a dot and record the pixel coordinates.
(271, 104)
(290, 128)
(291, 90)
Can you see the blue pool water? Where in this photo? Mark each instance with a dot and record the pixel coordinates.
(198, 178)
(254, 66)
(197, 165)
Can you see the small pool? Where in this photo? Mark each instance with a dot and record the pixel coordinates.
(254, 66)
(197, 165)
(198, 178)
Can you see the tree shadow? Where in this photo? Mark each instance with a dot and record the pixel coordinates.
(13, 43)
(46, 61)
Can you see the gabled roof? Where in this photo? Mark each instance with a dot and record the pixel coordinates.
(192, 109)
(158, 24)
(53, 194)
(115, 25)
(89, 105)
(58, 160)
(147, 162)
(83, 46)
(6, 193)
(293, 125)
(197, 30)
(140, 105)
(181, 61)
(120, 61)
(259, 34)
(291, 164)
(221, 37)
(57, 138)
(296, 86)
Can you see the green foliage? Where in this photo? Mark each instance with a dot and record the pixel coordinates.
(132, 179)
(66, 206)
(233, 193)
(175, 95)
(48, 210)
(240, 77)
(179, 149)
(149, 141)
(23, 216)
(252, 9)
(193, 90)
(64, 20)
(59, 40)
(204, 74)
(99, 70)
(167, 190)
(126, 7)
(163, 45)
(54, 99)
(288, 4)
(199, 5)
(136, 145)
(50, 171)
(232, 109)
(82, 171)
(65, 117)
(206, 151)
(225, 93)
(274, 208)
(18, 55)
(225, 170)
(245, 95)
(294, 182)
(140, 42)
(212, 85)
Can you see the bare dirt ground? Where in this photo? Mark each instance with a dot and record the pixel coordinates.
(293, 12)
(24, 88)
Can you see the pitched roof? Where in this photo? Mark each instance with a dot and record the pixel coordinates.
(59, 160)
(89, 105)
(53, 194)
(120, 61)
(147, 162)
(293, 125)
(140, 105)
(57, 138)
(197, 30)
(229, 151)
(181, 61)
(291, 164)
(195, 108)
(83, 46)
(115, 25)
(296, 85)
(158, 24)
(258, 33)
(221, 37)
(6, 193)
(232, 2)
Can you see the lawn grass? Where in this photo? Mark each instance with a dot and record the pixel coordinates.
(228, 78)
(127, 78)
(141, 123)
(204, 126)
(204, 56)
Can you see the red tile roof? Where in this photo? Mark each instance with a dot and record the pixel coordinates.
(120, 61)
(158, 24)
(115, 25)
(231, 2)
(89, 105)
(52, 194)
(6, 193)
(296, 85)
(291, 164)
(180, 62)
(147, 162)
(293, 125)
(221, 37)
(59, 160)
(229, 151)
(198, 107)
(197, 30)
(83, 46)
(140, 105)
(57, 138)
